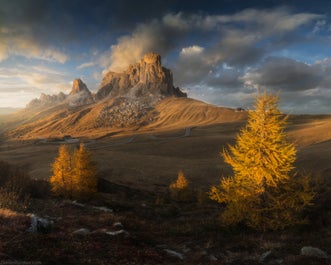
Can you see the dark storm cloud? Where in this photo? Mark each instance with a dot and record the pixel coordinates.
(214, 47)
(238, 39)
(227, 79)
(290, 75)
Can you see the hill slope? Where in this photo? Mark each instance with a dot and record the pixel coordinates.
(112, 115)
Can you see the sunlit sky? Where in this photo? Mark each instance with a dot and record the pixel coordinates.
(220, 52)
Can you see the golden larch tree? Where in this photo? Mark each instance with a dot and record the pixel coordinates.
(62, 179)
(181, 182)
(179, 188)
(84, 173)
(263, 192)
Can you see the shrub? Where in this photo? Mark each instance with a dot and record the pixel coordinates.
(14, 191)
(13, 200)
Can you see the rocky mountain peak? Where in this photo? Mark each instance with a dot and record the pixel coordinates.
(79, 95)
(79, 86)
(146, 78)
(152, 58)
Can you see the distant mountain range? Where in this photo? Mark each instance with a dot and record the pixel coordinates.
(141, 98)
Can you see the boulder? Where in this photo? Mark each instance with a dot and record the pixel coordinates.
(174, 254)
(313, 252)
(41, 225)
(81, 231)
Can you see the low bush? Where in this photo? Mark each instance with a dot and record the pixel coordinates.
(16, 188)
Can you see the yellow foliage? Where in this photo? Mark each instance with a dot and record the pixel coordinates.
(179, 188)
(84, 172)
(181, 182)
(262, 191)
(74, 175)
(62, 179)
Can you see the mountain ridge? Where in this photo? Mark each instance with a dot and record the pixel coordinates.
(140, 98)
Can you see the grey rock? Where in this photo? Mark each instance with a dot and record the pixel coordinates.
(41, 225)
(174, 254)
(212, 258)
(99, 231)
(119, 232)
(82, 231)
(118, 225)
(265, 256)
(313, 252)
(103, 209)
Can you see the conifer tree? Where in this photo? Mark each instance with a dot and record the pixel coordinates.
(62, 179)
(84, 173)
(263, 192)
(179, 188)
(181, 182)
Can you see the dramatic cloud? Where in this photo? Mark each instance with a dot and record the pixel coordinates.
(290, 75)
(228, 40)
(221, 51)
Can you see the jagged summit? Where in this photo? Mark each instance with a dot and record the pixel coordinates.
(146, 78)
(79, 95)
(124, 100)
(78, 86)
(46, 100)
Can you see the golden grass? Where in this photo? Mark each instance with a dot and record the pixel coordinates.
(157, 151)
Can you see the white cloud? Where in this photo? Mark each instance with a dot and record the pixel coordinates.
(27, 82)
(191, 50)
(131, 48)
(85, 65)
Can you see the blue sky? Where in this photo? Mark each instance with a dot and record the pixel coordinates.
(220, 52)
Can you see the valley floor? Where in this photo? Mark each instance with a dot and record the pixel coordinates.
(136, 170)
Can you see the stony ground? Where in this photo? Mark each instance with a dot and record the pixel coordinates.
(127, 226)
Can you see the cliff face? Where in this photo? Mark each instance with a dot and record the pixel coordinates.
(78, 86)
(144, 79)
(80, 94)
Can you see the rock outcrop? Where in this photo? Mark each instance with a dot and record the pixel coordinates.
(126, 99)
(80, 94)
(144, 79)
(78, 87)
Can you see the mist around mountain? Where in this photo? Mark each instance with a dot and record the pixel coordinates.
(8, 110)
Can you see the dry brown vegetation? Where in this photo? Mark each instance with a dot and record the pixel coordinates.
(136, 167)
